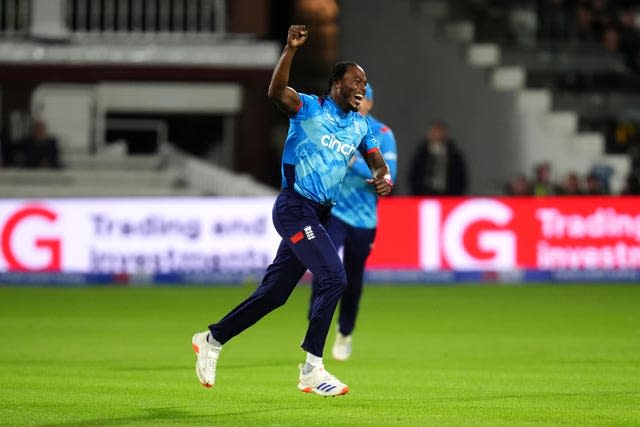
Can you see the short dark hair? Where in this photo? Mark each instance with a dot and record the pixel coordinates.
(439, 123)
(338, 72)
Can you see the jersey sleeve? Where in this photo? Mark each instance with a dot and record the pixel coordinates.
(309, 104)
(369, 143)
(360, 168)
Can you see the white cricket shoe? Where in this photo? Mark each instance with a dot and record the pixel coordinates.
(206, 358)
(341, 347)
(321, 382)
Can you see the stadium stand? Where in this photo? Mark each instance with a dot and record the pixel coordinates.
(56, 43)
(567, 78)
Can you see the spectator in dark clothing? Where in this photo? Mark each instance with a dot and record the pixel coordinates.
(438, 166)
(584, 26)
(519, 185)
(614, 41)
(40, 150)
(604, 15)
(632, 185)
(570, 186)
(624, 38)
(629, 35)
(594, 185)
(554, 19)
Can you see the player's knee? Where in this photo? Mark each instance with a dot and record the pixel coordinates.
(335, 280)
(275, 299)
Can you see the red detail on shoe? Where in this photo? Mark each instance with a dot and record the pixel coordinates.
(307, 389)
(296, 237)
(207, 385)
(195, 348)
(344, 391)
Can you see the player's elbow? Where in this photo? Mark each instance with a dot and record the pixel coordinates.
(271, 93)
(275, 93)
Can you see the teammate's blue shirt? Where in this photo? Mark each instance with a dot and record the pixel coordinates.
(321, 141)
(358, 201)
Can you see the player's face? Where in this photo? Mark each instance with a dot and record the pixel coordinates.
(352, 87)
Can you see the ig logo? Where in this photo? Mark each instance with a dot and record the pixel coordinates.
(461, 239)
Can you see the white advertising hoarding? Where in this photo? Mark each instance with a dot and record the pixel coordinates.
(140, 236)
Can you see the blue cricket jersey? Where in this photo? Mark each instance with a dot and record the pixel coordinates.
(358, 201)
(321, 140)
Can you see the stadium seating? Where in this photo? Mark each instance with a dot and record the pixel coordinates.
(81, 115)
(578, 91)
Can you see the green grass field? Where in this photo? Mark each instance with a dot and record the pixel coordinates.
(458, 355)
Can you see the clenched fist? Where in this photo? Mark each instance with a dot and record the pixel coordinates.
(297, 35)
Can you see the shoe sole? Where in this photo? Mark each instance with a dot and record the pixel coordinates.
(196, 349)
(340, 358)
(308, 389)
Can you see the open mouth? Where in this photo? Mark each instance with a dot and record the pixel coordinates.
(359, 96)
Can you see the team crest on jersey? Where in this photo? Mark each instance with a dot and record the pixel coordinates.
(306, 232)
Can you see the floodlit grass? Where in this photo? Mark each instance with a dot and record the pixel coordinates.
(478, 355)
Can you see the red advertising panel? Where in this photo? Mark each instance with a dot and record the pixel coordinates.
(151, 236)
(508, 233)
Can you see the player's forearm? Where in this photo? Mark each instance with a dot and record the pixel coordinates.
(383, 173)
(380, 170)
(280, 76)
(378, 166)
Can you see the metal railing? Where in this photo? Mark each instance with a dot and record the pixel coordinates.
(173, 18)
(14, 17)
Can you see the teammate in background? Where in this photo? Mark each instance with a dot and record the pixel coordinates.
(324, 134)
(352, 226)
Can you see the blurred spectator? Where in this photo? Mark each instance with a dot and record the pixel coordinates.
(438, 166)
(583, 24)
(518, 186)
(629, 35)
(571, 185)
(594, 186)
(631, 186)
(603, 16)
(604, 173)
(39, 150)
(542, 181)
(624, 38)
(554, 19)
(634, 154)
(613, 41)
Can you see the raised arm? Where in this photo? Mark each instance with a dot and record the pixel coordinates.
(381, 175)
(284, 96)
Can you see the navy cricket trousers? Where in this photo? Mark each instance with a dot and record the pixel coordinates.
(356, 244)
(305, 245)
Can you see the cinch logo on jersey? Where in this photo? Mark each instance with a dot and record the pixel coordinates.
(332, 142)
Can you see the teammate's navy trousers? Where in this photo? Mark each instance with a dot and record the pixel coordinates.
(356, 243)
(305, 245)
